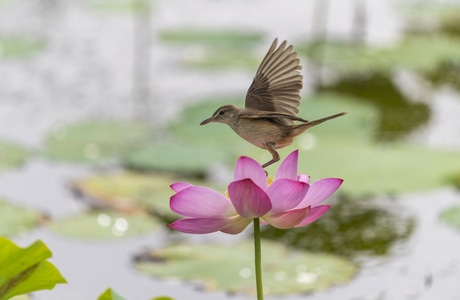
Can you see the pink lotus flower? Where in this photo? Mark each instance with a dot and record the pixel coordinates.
(289, 201)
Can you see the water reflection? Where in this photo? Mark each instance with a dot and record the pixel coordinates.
(350, 228)
(398, 115)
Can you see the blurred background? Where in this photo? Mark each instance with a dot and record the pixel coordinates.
(100, 105)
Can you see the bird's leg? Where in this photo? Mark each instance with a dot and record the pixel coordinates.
(271, 149)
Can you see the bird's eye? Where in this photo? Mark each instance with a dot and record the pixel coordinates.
(221, 113)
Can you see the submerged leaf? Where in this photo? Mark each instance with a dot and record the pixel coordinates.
(230, 268)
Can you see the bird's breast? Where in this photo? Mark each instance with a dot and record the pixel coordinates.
(261, 131)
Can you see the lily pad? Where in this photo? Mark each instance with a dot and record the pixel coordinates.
(12, 47)
(451, 216)
(230, 38)
(216, 49)
(104, 225)
(131, 192)
(121, 6)
(12, 155)
(95, 141)
(193, 149)
(230, 268)
(365, 228)
(420, 53)
(177, 156)
(15, 220)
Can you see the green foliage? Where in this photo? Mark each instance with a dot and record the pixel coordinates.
(351, 227)
(230, 268)
(216, 49)
(25, 270)
(15, 220)
(95, 141)
(121, 6)
(110, 294)
(132, 192)
(128, 191)
(227, 38)
(12, 155)
(420, 53)
(104, 225)
(14, 47)
(192, 149)
(451, 216)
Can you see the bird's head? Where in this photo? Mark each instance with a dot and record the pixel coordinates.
(225, 114)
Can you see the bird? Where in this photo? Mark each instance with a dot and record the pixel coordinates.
(272, 102)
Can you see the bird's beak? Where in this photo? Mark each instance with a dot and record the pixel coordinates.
(207, 121)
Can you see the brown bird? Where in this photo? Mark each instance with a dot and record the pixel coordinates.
(272, 103)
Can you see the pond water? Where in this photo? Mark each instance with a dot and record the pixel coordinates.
(85, 71)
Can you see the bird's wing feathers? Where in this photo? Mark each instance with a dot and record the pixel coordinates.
(270, 115)
(277, 83)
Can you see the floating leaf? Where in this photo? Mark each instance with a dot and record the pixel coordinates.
(12, 47)
(194, 149)
(230, 268)
(104, 225)
(451, 216)
(216, 49)
(12, 155)
(95, 141)
(121, 6)
(364, 227)
(177, 156)
(227, 38)
(15, 220)
(420, 53)
(25, 270)
(130, 192)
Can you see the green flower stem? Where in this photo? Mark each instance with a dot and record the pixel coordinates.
(258, 260)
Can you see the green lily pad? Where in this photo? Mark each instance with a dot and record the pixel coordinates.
(229, 38)
(12, 47)
(177, 156)
(451, 216)
(12, 155)
(131, 192)
(26, 270)
(419, 53)
(216, 49)
(104, 225)
(15, 220)
(193, 149)
(95, 141)
(220, 267)
(365, 228)
(121, 6)
(431, 17)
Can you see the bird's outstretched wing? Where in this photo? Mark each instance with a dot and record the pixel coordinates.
(277, 83)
